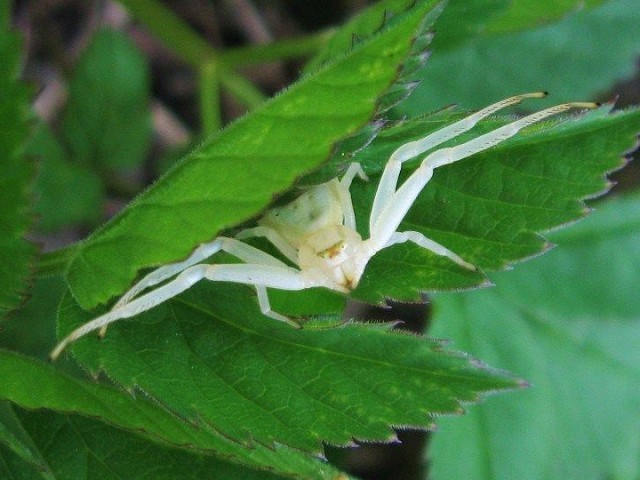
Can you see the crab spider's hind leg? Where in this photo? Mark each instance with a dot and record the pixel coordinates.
(244, 252)
(141, 304)
(238, 249)
(281, 277)
(389, 180)
(163, 273)
(428, 244)
(201, 253)
(399, 204)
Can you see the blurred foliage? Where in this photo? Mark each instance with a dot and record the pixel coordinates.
(569, 323)
(107, 122)
(579, 57)
(16, 172)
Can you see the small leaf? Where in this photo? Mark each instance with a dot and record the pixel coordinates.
(57, 177)
(570, 323)
(16, 172)
(210, 357)
(235, 174)
(107, 121)
(34, 385)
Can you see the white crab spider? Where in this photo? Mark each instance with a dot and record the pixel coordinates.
(317, 231)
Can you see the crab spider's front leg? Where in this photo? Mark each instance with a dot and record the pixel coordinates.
(389, 180)
(345, 195)
(401, 201)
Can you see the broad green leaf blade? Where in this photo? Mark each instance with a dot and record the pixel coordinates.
(56, 178)
(16, 172)
(570, 324)
(35, 385)
(577, 58)
(80, 448)
(490, 208)
(234, 175)
(107, 122)
(210, 357)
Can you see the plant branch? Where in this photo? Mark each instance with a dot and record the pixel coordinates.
(278, 50)
(192, 48)
(210, 98)
(197, 52)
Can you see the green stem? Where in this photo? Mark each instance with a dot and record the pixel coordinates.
(193, 49)
(240, 88)
(174, 33)
(279, 50)
(210, 98)
(217, 68)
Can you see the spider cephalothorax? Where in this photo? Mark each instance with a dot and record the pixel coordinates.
(317, 231)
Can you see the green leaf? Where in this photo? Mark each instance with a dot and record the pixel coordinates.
(477, 14)
(489, 208)
(57, 177)
(466, 21)
(570, 323)
(210, 357)
(16, 172)
(34, 385)
(80, 448)
(17, 440)
(235, 174)
(362, 26)
(107, 121)
(31, 330)
(575, 59)
(527, 14)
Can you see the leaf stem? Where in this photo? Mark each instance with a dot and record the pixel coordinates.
(210, 98)
(216, 69)
(278, 50)
(192, 48)
(175, 34)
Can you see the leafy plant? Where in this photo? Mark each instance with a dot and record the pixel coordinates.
(204, 386)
